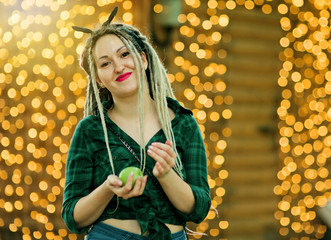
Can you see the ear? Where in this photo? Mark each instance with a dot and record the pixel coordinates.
(144, 60)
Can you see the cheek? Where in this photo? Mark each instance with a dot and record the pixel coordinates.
(130, 63)
(104, 74)
(100, 75)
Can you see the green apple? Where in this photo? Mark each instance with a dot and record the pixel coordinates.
(124, 174)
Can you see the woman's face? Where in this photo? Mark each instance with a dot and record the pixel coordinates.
(115, 66)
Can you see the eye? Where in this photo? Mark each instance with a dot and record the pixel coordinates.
(125, 54)
(105, 64)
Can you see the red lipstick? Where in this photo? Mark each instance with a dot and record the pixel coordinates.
(123, 77)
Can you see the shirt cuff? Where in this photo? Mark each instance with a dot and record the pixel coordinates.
(201, 207)
(68, 217)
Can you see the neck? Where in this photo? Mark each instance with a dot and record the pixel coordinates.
(129, 107)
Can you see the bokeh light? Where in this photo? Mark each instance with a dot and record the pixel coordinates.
(42, 98)
(304, 114)
(41, 101)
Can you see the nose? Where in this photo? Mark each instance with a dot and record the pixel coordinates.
(119, 67)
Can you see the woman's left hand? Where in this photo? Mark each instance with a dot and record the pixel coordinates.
(164, 156)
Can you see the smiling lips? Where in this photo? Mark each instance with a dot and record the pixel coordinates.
(123, 77)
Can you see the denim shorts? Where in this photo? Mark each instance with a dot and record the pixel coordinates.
(102, 231)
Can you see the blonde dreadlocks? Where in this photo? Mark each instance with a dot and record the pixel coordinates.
(157, 79)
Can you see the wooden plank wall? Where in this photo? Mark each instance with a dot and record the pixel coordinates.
(251, 156)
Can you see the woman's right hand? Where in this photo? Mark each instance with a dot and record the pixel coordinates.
(86, 211)
(116, 186)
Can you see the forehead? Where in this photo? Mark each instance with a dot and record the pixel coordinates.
(107, 44)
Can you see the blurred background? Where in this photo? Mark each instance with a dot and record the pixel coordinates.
(256, 75)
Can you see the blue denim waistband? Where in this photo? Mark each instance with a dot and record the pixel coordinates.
(107, 232)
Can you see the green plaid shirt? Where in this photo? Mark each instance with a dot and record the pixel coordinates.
(88, 166)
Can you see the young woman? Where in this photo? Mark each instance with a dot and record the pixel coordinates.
(132, 119)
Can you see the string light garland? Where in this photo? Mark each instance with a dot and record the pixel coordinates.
(197, 76)
(201, 40)
(305, 116)
(42, 97)
(305, 182)
(41, 101)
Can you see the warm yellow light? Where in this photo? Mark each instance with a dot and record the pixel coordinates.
(207, 25)
(216, 36)
(189, 94)
(194, 47)
(179, 46)
(193, 70)
(298, 3)
(227, 114)
(179, 61)
(43, 185)
(127, 17)
(127, 5)
(201, 53)
(304, 77)
(230, 4)
(32, 132)
(7, 36)
(249, 4)
(224, 20)
(266, 9)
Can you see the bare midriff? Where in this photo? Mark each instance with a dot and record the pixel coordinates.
(133, 226)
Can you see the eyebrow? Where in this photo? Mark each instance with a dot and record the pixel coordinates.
(106, 56)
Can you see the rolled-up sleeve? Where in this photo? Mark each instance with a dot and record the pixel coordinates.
(79, 173)
(195, 164)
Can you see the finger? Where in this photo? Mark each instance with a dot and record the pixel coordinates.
(136, 188)
(136, 191)
(159, 168)
(129, 181)
(154, 153)
(168, 143)
(165, 147)
(159, 151)
(143, 185)
(114, 181)
(126, 191)
(161, 157)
